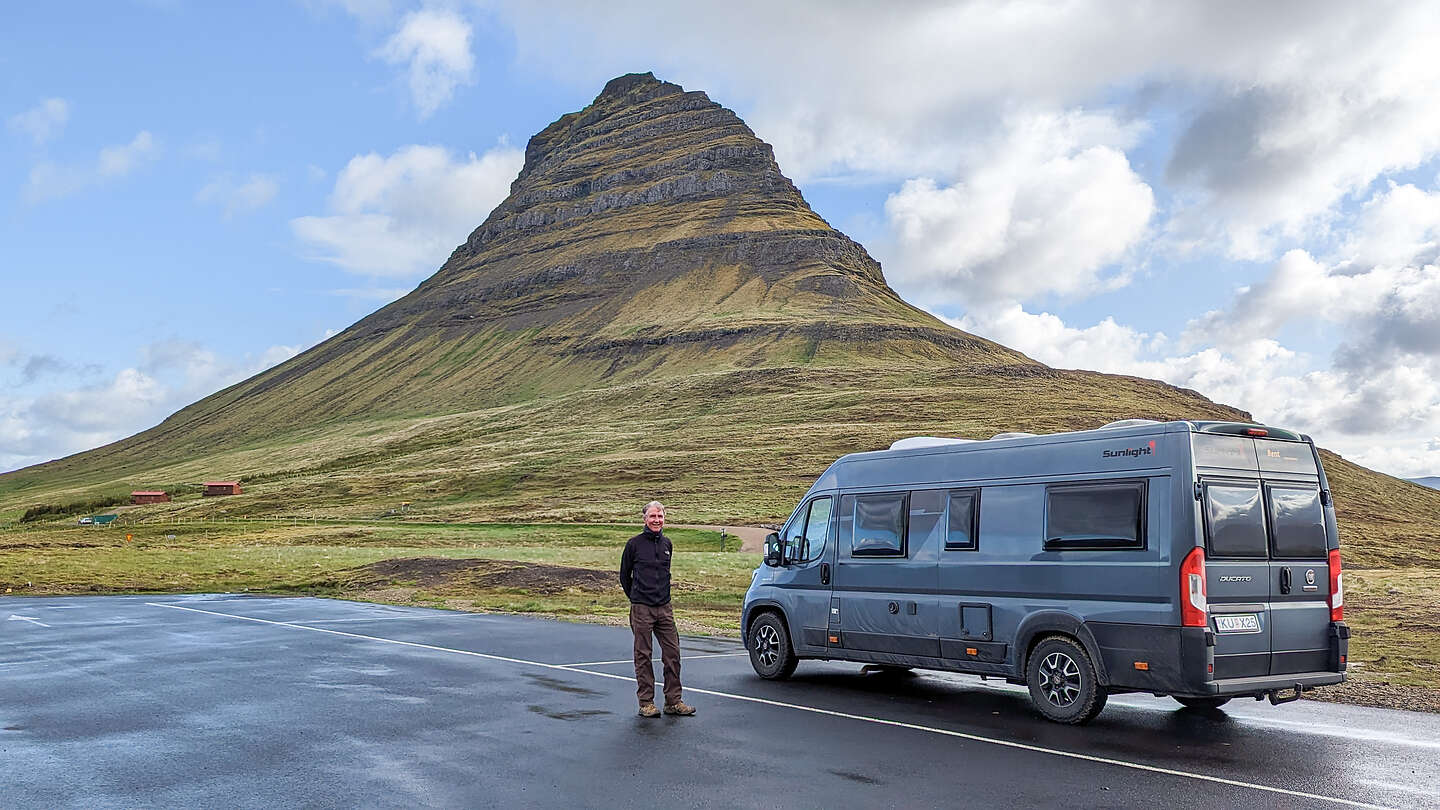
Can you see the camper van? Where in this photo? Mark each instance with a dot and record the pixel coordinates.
(1198, 560)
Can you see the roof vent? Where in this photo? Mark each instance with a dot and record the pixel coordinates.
(1011, 435)
(925, 441)
(1124, 423)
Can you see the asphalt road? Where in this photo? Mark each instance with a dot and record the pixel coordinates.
(269, 702)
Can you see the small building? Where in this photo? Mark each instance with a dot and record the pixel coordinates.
(102, 520)
(221, 488)
(149, 496)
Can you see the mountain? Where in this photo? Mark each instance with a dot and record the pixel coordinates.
(653, 311)
(1431, 481)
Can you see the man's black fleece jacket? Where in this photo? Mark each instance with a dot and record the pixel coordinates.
(645, 569)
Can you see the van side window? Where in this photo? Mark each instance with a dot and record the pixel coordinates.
(963, 514)
(817, 529)
(845, 526)
(927, 516)
(1095, 516)
(1297, 523)
(879, 525)
(1235, 521)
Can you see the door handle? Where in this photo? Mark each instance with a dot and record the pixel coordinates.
(824, 573)
(1284, 580)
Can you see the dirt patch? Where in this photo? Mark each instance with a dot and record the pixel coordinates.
(433, 572)
(1380, 695)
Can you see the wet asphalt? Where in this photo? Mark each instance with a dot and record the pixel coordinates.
(201, 701)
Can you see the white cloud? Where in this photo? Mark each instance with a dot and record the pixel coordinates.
(436, 45)
(1398, 226)
(1386, 418)
(402, 215)
(1106, 346)
(1285, 108)
(42, 122)
(1052, 204)
(169, 376)
(118, 161)
(49, 180)
(239, 197)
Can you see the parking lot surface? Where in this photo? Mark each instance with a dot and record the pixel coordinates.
(263, 702)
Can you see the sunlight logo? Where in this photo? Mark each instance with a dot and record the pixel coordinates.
(1130, 452)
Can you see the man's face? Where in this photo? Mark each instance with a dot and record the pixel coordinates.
(655, 518)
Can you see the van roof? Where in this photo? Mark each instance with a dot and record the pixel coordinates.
(1127, 427)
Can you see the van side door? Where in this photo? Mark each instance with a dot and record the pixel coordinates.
(806, 575)
(885, 579)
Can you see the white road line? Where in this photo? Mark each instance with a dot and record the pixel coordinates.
(814, 710)
(15, 618)
(632, 660)
(417, 617)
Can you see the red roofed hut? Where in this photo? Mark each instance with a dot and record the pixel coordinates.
(140, 496)
(221, 488)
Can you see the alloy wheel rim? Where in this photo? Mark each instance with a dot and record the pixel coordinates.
(1060, 679)
(767, 642)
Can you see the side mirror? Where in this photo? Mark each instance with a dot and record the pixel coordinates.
(774, 554)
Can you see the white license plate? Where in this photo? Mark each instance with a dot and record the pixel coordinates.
(1237, 623)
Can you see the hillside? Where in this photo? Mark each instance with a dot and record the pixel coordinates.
(653, 311)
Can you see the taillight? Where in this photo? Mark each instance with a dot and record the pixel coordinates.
(1337, 588)
(1194, 608)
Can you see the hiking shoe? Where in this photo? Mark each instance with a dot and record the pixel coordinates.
(679, 707)
(649, 710)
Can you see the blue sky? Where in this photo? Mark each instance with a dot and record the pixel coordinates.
(1238, 200)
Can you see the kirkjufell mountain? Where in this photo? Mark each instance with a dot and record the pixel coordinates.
(654, 310)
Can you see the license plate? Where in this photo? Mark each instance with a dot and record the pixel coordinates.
(1237, 623)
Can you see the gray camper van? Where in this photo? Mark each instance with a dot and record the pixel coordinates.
(1198, 560)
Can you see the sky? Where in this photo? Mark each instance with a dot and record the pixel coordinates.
(1238, 198)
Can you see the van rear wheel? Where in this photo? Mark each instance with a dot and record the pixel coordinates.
(1063, 683)
(771, 653)
(1203, 704)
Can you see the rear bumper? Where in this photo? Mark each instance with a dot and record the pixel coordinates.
(1301, 681)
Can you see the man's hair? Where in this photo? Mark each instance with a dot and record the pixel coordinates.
(651, 505)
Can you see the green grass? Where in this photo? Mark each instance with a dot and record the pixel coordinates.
(321, 559)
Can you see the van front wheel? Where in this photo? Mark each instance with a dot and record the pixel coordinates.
(770, 652)
(1063, 682)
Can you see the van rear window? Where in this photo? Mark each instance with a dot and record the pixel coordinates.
(1297, 523)
(1095, 516)
(1234, 521)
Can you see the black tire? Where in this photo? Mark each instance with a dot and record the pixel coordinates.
(771, 653)
(1063, 683)
(1202, 704)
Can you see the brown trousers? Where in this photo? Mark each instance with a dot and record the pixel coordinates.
(644, 620)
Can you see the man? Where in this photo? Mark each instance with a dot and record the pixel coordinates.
(645, 576)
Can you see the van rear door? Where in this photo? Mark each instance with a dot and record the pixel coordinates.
(1299, 546)
(1237, 573)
